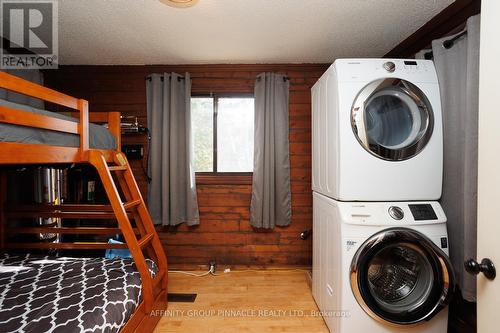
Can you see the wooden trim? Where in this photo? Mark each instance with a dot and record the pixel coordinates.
(203, 268)
(26, 153)
(223, 179)
(69, 211)
(66, 246)
(440, 25)
(64, 215)
(30, 119)
(67, 230)
(16, 84)
(61, 208)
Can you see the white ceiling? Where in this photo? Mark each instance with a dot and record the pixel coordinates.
(235, 31)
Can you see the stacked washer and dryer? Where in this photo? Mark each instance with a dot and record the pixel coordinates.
(380, 245)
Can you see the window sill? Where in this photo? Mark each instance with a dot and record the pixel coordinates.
(224, 178)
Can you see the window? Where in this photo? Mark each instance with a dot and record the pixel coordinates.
(223, 129)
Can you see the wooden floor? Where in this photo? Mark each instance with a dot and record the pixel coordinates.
(250, 301)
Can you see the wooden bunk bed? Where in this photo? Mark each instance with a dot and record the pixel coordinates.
(125, 200)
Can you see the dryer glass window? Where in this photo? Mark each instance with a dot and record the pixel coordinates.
(392, 119)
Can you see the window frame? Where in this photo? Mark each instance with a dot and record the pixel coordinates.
(216, 177)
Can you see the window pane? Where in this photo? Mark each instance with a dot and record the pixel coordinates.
(235, 124)
(202, 115)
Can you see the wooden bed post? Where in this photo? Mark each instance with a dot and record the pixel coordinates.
(83, 127)
(114, 127)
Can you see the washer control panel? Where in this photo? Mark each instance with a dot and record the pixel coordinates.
(391, 213)
(422, 212)
(396, 212)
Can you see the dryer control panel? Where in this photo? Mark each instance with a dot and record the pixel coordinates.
(367, 70)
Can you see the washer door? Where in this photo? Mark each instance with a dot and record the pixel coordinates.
(392, 119)
(399, 276)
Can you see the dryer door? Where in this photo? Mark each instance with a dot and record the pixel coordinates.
(399, 276)
(392, 119)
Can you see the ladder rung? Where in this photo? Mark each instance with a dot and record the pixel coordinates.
(117, 168)
(131, 204)
(158, 278)
(145, 240)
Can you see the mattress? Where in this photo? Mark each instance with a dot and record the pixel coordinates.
(99, 136)
(48, 294)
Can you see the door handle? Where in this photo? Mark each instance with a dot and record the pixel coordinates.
(305, 234)
(486, 267)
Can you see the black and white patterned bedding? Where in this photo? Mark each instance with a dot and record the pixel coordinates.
(67, 294)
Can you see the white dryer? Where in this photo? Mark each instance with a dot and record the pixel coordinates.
(377, 131)
(381, 267)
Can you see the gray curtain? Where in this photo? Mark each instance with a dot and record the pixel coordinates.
(271, 196)
(33, 75)
(458, 75)
(172, 195)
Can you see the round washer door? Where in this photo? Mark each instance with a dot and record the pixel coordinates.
(399, 276)
(392, 119)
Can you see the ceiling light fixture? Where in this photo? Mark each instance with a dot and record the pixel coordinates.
(179, 3)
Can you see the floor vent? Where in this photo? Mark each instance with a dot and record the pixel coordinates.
(181, 298)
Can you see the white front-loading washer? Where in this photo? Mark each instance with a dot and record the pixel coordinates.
(377, 131)
(381, 267)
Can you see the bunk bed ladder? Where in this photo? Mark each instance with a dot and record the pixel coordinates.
(134, 205)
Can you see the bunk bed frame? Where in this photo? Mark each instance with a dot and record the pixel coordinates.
(141, 239)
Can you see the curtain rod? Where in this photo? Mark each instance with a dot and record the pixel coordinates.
(447, 44)
(148, 78)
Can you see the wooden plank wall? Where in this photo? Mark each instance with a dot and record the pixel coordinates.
(224, 233)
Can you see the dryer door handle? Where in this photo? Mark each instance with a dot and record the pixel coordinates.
(486, 267)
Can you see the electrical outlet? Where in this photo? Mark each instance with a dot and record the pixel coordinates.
(212, 265)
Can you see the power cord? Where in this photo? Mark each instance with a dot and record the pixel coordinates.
(190, 273)
(145, 130)
(210, 271)
(276, 270)
(228, 271)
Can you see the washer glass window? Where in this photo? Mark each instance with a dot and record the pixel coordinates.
(399, 276)
(392, 119)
